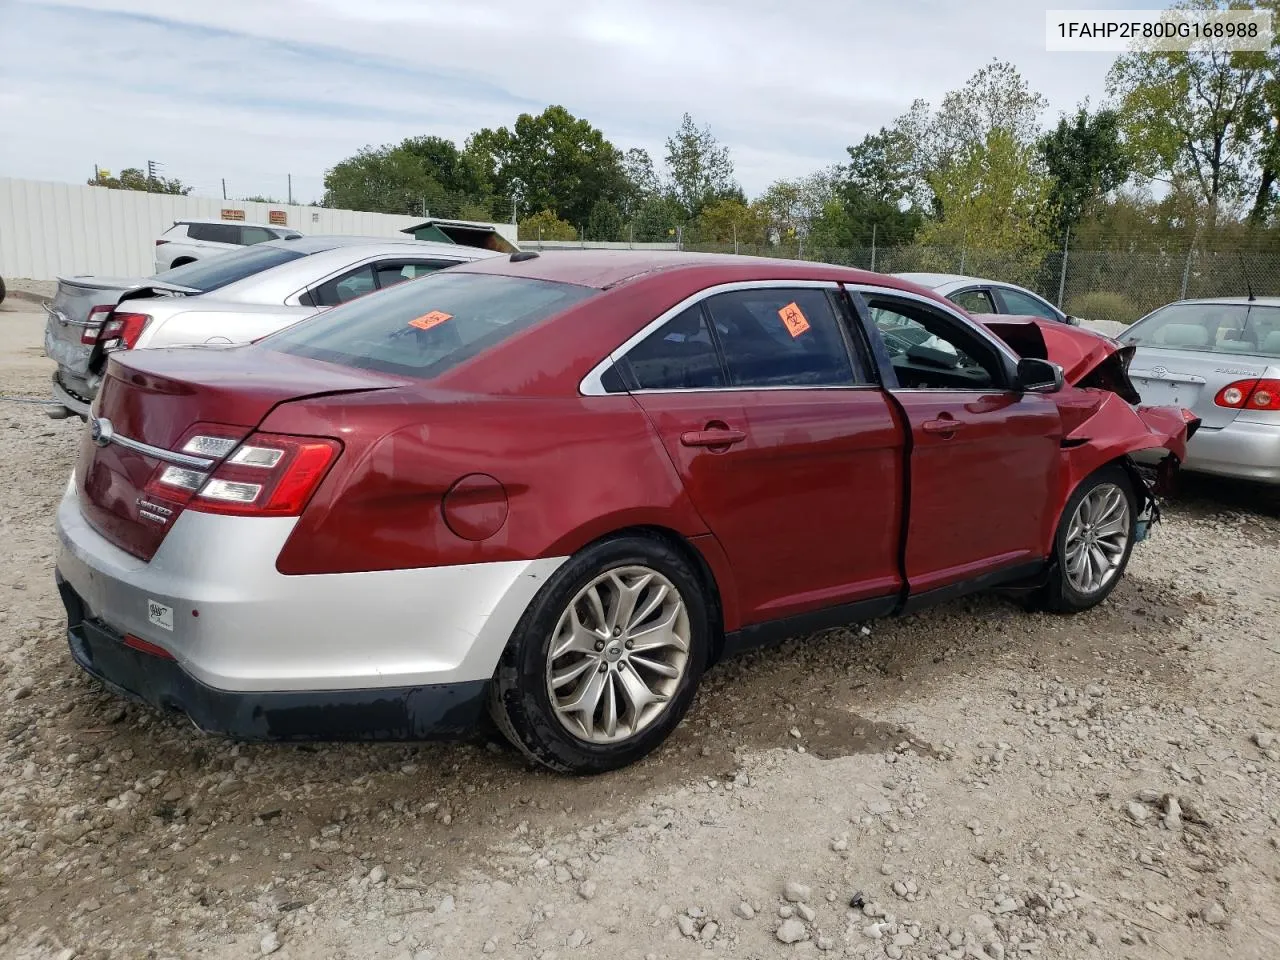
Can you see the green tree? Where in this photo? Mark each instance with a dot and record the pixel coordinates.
(545, 225)
(418, 174)
(700, 168)
(131, 178)
(640, 178)
(993, 198)
(1192, 115)
(730, 220)
(877, 193)
(552, 161)
(605, 222)
(658, 219)
(1085, 161)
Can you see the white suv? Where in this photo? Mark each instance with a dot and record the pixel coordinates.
(190, 240)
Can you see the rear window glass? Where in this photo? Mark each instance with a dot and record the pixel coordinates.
(218, 271)
(1234, 328)
(423, 328)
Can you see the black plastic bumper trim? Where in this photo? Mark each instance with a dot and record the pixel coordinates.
(427, 712)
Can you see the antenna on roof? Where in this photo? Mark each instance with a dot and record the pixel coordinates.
(1247, 285)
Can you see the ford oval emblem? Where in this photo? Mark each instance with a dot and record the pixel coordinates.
(100, 431)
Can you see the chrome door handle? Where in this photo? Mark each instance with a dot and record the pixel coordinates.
(712, 438)
(942, 425)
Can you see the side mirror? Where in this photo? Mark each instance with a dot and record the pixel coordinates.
(1074, 321)
(1039, 376)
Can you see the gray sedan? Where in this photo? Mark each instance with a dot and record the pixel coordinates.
(988, 296)
(232, 298)
(1221, 359)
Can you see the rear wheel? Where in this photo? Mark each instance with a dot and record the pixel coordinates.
(606, 660)
(1094, 540)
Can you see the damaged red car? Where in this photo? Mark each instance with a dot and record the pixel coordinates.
(561, 487)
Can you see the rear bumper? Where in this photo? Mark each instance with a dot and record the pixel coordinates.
(383, 713)
(212, 597)
(64, 400)
(1249, 451)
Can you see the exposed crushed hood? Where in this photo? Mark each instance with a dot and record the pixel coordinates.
(1087, 358)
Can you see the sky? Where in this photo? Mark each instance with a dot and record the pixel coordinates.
(252, 91)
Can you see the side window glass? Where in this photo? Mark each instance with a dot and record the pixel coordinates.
(775, 337)
(679, 355)
(389, 274)
(344, 288)
(252, 235)
(930, 351)
(214, 232)
(975, 301)
(1017, 302)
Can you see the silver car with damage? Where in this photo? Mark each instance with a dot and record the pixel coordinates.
(1219, 358)
(235, 297)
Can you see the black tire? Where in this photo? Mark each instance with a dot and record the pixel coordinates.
(519, 699)
(1060, 595)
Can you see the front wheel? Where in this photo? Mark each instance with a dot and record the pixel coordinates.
(1094, 540)
(605, 662)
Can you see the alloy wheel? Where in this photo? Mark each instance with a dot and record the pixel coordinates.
(618, 654)
(1097, 538)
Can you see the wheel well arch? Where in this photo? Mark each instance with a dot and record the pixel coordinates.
(181, 262)
(701, 568)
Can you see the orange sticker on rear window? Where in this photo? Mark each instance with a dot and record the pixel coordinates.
(429, 320)
(793, 319)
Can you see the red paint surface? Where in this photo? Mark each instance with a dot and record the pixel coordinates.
(501, 459)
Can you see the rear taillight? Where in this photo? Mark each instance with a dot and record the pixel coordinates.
(161, 243)
(1261, 394)
(266, 475)
(121, 331)
(93, 323)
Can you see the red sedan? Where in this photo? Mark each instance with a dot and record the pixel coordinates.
(563, 486)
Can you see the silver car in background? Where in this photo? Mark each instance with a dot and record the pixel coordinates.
(1221, 359)
(232, 298)
(978, 295)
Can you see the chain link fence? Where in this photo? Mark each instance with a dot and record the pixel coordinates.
(1097, 285)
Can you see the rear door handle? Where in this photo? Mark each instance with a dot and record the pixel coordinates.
(712, 438)
(941, 425)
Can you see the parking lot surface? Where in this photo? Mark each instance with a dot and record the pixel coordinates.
(972, 781)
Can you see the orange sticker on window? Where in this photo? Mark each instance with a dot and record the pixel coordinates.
(793, 319)
(429, 320)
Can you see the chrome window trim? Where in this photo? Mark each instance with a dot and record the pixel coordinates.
(592, 386)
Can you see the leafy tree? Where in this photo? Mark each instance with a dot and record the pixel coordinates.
(259, 198)
(730, 220)
(1086, 160)
(1192, 115)
(545, 225)
(605, 222)
(994, 197)
(657, 219)
(418, 174)
(641, 179)
(877, 193)
(131, 178)
(553, 161)
(794, 206)
(700, 168)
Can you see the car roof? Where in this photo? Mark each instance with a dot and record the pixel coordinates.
(318, 244)
(603, 269)
(1256, 301)
(235, 223)
(935, 280)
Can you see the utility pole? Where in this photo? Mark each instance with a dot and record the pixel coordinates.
(735, 237)
(152, 167)
(290, 176)
(1062, 280)
(873, 248)
(224, 188)
(96, 175)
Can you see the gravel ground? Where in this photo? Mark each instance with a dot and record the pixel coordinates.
(971, 782)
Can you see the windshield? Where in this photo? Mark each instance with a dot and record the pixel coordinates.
(424, 327)
(1211, 328)
(224, 268)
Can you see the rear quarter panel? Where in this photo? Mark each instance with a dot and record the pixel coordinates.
(174, 326)
(573, 470)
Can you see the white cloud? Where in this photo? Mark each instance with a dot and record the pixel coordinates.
(251, 90)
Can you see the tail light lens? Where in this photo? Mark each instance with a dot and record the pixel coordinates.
(121, 331)
(93, 323)
(266, 475)
(1261, 394)
(161, 243)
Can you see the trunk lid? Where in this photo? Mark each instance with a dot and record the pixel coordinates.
(1187, 378)
(69, 318)
(152, 401)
